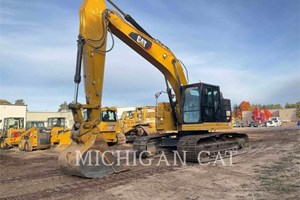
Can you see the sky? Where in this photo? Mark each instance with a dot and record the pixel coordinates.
(251, 49)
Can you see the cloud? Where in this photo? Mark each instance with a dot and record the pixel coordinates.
(239, 82)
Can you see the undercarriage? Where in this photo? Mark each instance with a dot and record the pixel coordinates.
(193, 146)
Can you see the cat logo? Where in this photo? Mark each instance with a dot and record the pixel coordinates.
(146, 44)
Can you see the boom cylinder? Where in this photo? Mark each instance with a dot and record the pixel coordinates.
(77, 77)
(130, 20)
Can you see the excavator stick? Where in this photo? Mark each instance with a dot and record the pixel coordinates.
(89, 160)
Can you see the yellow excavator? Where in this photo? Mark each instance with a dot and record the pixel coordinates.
(138, 122)
(190, 119)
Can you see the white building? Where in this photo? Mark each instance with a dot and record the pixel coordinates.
(12, 111)
(43, 116)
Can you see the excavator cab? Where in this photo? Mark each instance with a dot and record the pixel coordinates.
(204, 103)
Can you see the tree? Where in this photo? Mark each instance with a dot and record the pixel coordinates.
(258, 115)
(257, 105)
(276, 106)
(244, 106)
(269, 106)
(267, 113)
(298, 109)
(4, 102)
(294, 105)
(238, 110)
(287, 105)
(63, 107)
(235, 112)
(20, 102)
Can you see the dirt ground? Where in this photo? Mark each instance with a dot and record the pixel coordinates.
(269, 169)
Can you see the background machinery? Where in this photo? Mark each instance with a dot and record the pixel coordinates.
(34, 137)
(11, 131)
(190, 118)
(138, 122)
(56, 126)
(108, 127)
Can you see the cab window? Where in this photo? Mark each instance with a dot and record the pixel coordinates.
(210, 104)
(109, 116)
(191, 105)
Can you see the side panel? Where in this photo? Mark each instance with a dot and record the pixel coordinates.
(164, 118)
(226, 110)
(209, 126)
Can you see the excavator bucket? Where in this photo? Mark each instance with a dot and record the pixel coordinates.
(89, 160)
(61, 147)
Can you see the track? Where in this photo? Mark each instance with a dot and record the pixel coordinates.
(93, 184)
(212, 144)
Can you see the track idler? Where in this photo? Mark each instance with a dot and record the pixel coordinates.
(90, 159)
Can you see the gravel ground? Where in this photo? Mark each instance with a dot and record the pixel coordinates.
(269, 169)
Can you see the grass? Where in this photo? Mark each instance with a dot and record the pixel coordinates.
(281, 178)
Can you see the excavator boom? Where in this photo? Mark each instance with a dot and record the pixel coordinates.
(86, 156)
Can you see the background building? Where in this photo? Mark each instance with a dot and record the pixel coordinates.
(12, 111)
(43, 116)
(289, 114)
